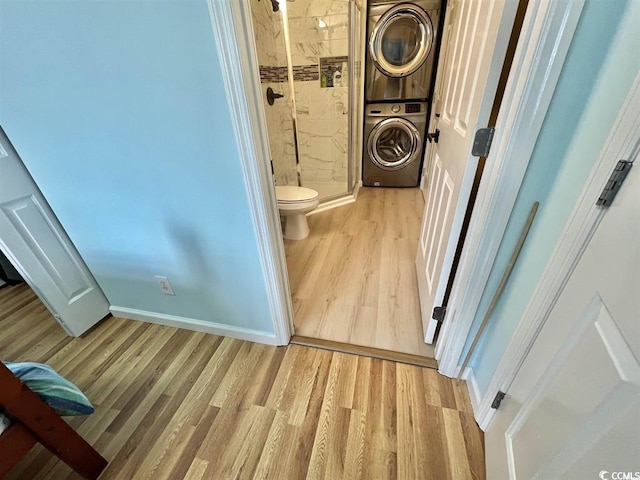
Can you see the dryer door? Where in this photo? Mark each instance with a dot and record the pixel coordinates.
(394, 143)
(401, 40)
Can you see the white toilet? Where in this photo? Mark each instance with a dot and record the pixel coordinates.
(294, 203)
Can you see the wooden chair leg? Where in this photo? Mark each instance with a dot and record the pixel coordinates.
(27, 408)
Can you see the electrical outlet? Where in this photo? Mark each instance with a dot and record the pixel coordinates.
(165, 286)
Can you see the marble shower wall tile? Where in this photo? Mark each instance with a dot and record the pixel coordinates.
(263, 31)
(318, 103)
(272, 60)
(316, 8)
(319, 29)
(279, 40)
(322, 131)
(280, 130)
(308, 53)
(269, 36)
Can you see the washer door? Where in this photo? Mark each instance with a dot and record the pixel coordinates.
(394, 143)
(401, 40)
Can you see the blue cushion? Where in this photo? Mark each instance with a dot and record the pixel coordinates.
(61, 395)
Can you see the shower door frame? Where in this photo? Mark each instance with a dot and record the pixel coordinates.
(544, 41)
(356, 119)
(353, 155)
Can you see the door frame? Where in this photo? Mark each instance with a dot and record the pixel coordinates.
(544, 41)
(545, 38)
(238, 57)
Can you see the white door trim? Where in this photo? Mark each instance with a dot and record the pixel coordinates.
(233, 32)
(546, 34)
(575, 237)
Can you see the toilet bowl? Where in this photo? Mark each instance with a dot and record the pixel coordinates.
(294, 203)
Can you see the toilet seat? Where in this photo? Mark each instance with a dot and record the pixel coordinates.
(294, 195)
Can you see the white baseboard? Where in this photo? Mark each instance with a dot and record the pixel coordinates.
(356, 190)
(472, 386)
(338, 202)
(195, 325)
(481, 413)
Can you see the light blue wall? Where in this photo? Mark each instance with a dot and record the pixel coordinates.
(569, 144)
(118, 110)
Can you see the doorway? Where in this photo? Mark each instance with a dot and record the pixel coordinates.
(320, 269)
(352, 280)
(546, 35)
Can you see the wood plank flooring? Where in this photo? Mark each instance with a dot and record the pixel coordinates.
(353, 279)
(178, 404)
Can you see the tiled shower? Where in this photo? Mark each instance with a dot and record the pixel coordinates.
(327, 119)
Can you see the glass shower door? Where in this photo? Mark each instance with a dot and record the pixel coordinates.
(319, 44)
(357, 45)
(312, 53)
(269, 28)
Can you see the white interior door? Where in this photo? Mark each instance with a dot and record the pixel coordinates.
(468, 74)
(436, 107)
(35, 242)
(573, 409)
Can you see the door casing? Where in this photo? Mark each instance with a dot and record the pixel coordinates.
(545, 39)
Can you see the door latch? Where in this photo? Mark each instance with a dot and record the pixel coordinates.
(433, 137)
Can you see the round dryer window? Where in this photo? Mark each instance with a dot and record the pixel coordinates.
(393, 143)
(401, 40)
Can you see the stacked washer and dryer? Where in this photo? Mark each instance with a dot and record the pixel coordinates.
(400, 75)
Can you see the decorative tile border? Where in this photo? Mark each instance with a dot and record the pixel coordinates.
(273, 74)
(301, 73)
(306, 73)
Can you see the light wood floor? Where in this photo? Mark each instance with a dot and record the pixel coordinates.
(353, 278)
(178, 404)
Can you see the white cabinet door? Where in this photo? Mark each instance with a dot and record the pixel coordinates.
(573, 409)
(467, 79)
(35, 242)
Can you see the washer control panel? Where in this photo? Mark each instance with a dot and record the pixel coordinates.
(396, 109)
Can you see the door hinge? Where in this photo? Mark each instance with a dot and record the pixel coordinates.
(439, 313)
(482, 142)
(498, 400)
(616, 179)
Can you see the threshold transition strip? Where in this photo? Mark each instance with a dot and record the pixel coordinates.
(365, 351)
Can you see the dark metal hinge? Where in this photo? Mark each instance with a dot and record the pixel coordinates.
(615, 182)
(439, 313)
(498, 400)
(482, 142)
(433, 137)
